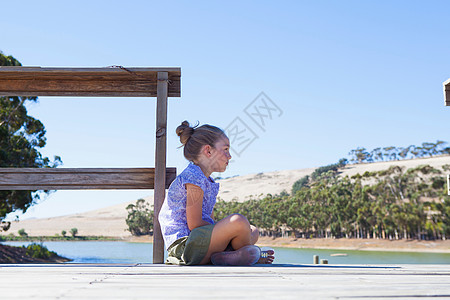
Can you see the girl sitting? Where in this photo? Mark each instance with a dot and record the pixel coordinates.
(186, 217)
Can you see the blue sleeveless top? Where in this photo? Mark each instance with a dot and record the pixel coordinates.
(172, 216)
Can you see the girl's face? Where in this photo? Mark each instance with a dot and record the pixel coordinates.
(220, 155)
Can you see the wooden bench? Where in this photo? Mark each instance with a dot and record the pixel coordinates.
(98, 82)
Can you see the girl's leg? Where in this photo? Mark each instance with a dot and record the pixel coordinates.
(255, 234)
(267, 257)
(235, 229)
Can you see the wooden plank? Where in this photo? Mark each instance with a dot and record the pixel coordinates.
(93, 88)
(290, 281)
(447, 92)
(80, 178)
(160, 165)
(115, 70)
(88, 82)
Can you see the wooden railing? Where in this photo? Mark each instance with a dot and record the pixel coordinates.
(98, 82)
(81, 179)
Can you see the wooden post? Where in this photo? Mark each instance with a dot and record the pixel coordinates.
(316, 259)
(447, 92)
(160, 164)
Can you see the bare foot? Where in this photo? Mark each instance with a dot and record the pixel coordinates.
(245, 256)
(267, 257)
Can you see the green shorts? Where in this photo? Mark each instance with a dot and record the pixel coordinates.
(190, 250)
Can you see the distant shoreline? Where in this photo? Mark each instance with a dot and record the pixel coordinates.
(424, 246)
(5, 238)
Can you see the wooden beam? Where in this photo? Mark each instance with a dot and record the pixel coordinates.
(447, 92)
(84, 178)
(87, 82)
(160, 163)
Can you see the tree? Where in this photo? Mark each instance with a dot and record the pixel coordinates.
(403, 152)
(38, 251)
(21, 137)
(420, 152)
(63, 233)
(390, 153)
(22, 232)
(4, 226)
(140, 218)
(377, 154)
(359, 155)
(440, 144)
(74, 232)
(299, 184)
(430, 148)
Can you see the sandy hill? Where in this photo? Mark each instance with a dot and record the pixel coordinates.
(110, 221)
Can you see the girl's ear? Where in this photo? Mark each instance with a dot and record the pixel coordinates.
(207, 150)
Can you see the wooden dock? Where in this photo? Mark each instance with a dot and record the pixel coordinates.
(148, 281)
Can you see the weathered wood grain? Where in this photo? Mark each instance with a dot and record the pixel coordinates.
(88, 82)
(145, 281)
(80, 178)
(160, 163)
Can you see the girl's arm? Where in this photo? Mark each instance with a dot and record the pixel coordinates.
(194, 205)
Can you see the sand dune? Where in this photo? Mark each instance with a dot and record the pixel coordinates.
(110, 221)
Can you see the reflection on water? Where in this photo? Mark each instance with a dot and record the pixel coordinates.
(124, 252)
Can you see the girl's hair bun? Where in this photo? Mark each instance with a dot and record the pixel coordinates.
(184, 131)
(194, 138)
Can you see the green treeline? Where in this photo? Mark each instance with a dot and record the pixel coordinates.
(427, 149)
(391, 204)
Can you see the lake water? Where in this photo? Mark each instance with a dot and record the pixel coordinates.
(125, 252)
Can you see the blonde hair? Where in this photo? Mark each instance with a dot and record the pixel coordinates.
(194, 138)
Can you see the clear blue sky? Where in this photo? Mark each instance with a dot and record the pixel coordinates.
(344, 74)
